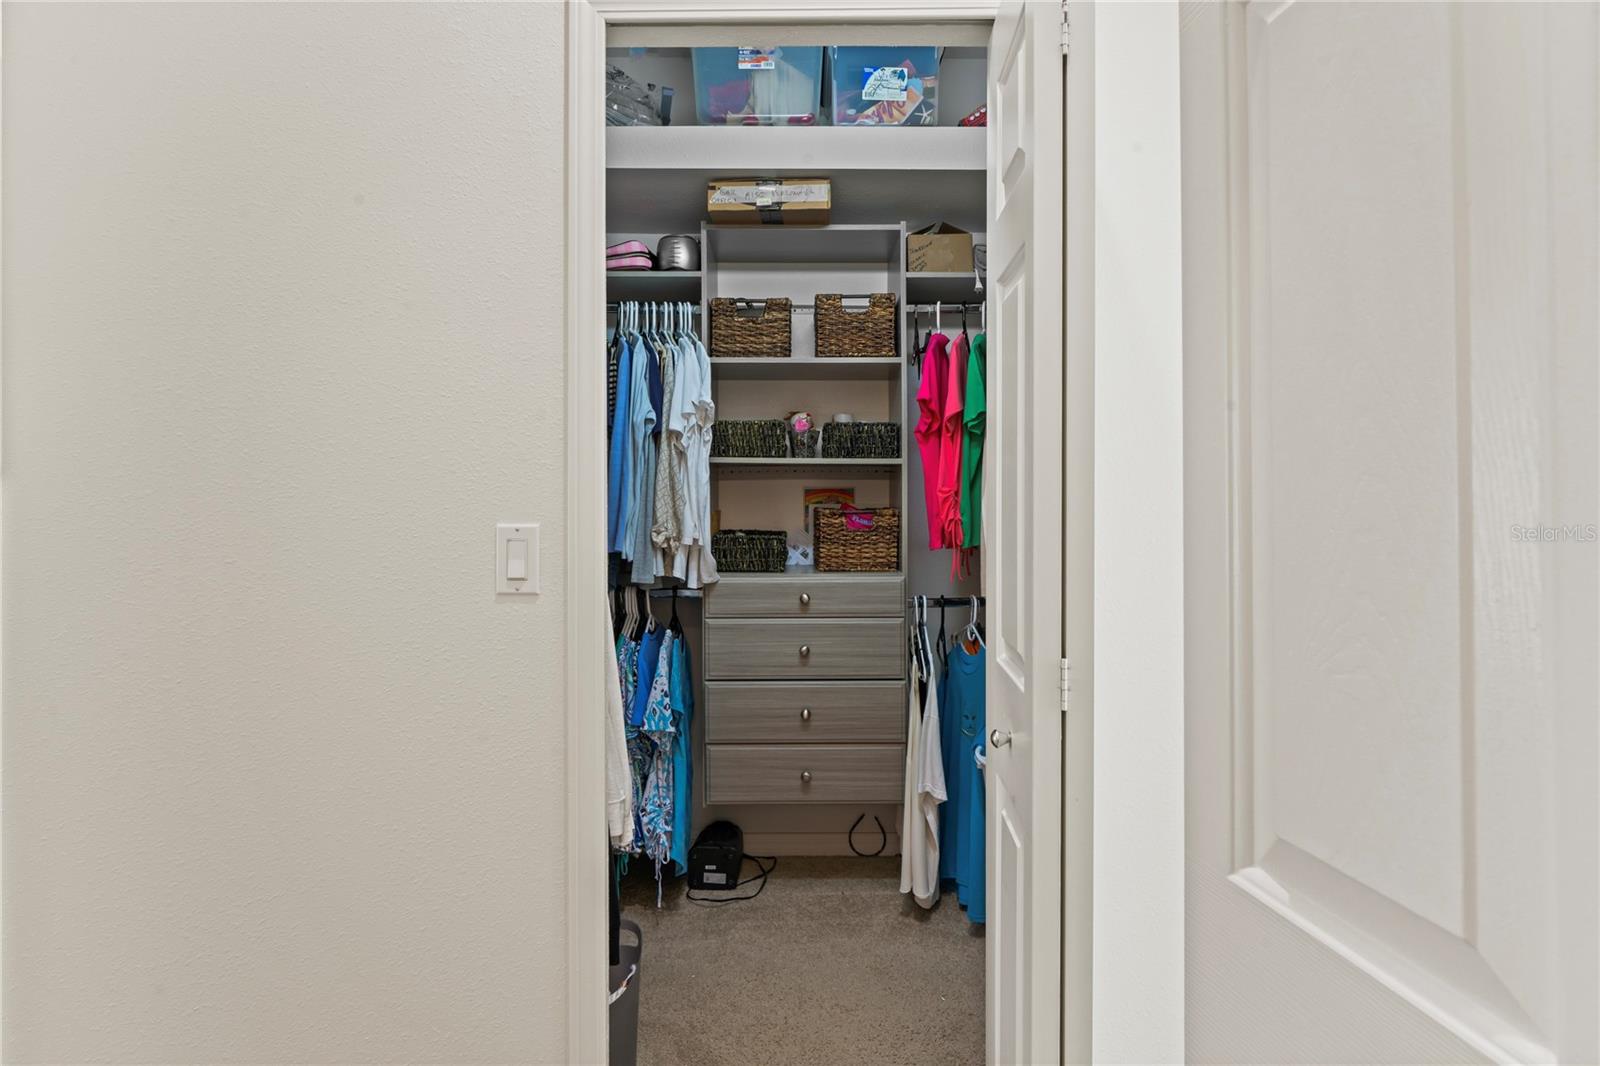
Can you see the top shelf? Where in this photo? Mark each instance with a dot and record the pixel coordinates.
(656, 175)
(794, 150)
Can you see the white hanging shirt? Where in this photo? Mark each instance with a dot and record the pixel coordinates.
(910, 809)
(619, 781)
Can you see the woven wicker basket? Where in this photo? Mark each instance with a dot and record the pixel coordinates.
(861, 440)
(750, 551)
(857, 540)
(736, 331)
(758, 438)
(864, 333)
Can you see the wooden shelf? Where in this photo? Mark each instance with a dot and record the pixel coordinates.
(741, 368)
(656, 175)
(949, 287)
(804, 466)
(803, 244)
(653, 285)
(797, 150)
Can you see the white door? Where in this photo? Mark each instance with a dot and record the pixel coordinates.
(1022, 535)
(1391, 572)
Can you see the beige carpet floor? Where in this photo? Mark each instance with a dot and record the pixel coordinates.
(829, 966)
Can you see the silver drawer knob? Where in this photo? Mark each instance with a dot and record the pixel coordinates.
(805, 777)
(805, 598)
(805, 714)
(998, 739)
(805, 651)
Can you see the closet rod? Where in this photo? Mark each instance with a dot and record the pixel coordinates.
(614, 304)
(946, 601)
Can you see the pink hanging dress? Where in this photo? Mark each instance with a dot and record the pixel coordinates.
(951, 432)
(930, 428)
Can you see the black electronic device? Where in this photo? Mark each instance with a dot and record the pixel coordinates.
(716, 858)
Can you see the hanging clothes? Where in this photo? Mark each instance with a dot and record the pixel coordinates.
(950, 446)
(692, 562)
(973, 420)
(619, 783)
(619, 467)
(681, 694)
(665, 510)
(929, 430)
(647, 436)
(659, 420)
(964, 826)
(925, 780)
(657, 725)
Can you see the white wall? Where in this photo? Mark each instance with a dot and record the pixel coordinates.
(282, 291)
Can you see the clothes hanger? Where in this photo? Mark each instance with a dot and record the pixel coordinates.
(922, 639)
(916, 636)
(942, 637)
(972, 633)
(673, 623)
(629, 614)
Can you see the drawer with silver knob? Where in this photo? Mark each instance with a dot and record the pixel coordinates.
(807, 596)
(800, 648)
(804, 773)
(805, 712)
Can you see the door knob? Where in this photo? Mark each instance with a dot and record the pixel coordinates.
(805, 714)
(805, 777)
(805, 651)
(805, 598)
(998, 739)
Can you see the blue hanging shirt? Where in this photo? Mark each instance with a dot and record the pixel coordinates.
(682, 713)
(966, 674)
(950, 745)
(619, 466)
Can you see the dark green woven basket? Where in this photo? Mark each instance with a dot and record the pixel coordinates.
(760, 438)
(861, 440)
(750, 551)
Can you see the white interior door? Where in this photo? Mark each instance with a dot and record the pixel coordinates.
(1390, 374)
(1022, 536)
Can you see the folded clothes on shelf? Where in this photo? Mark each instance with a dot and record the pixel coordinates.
(629, 255)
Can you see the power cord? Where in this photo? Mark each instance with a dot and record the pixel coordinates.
(761, 875)
(883, 834)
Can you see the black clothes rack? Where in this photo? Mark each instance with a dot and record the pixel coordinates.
(947, 601)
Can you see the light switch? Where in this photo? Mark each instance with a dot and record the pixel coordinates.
(516, 557)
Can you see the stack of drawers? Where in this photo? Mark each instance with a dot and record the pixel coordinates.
(805, 689)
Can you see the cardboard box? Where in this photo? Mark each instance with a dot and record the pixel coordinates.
(770, 201)
(939, 248)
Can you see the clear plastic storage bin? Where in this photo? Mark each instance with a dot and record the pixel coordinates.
(758, 86)
(884, 85)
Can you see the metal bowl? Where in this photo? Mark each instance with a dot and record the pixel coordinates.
(678, 251)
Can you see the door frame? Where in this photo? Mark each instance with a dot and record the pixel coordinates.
(587, 23)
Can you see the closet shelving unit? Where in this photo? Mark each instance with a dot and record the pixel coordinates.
(799, 253)
(801, 725)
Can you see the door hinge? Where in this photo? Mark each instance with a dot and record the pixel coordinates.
(1066, 28)
(1066, 685)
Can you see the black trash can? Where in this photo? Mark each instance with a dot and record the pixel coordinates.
(625, 978)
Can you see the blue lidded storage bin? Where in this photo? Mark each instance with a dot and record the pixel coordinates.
(884, 85)
(758, 86)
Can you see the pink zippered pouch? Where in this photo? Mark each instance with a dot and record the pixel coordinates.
(629, 262)
(627, 248)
